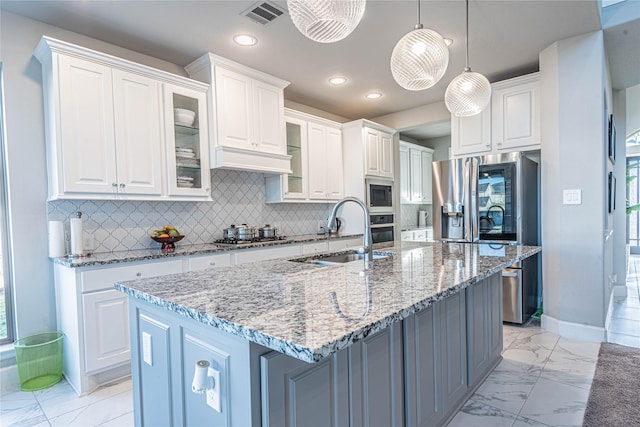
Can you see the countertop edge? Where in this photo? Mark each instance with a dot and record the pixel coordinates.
(311, 355)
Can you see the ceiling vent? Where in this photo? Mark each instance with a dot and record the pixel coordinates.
(263, 12)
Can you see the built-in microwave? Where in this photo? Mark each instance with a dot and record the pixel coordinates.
(379, 195)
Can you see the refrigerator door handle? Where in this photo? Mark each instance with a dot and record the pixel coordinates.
(509, 274)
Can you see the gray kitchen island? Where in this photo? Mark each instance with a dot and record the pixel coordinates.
(290, 342)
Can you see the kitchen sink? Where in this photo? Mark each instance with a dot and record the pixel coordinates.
(341, 258)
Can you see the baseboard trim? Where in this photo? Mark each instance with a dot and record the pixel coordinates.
(619, 291)
(576, 331)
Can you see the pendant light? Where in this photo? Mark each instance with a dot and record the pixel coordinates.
(420, 58)
(326, 21)
(470, 92)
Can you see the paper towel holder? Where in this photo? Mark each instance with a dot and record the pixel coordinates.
(73, 234)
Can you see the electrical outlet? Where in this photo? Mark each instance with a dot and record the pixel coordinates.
(88, 241)
(213, 393)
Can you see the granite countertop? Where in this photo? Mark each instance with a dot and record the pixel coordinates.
(309, 311)
(105, 258)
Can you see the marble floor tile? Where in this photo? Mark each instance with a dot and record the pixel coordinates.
(61, 398)
(125, 420)
(96, 413)
(525, 422)
(20, 409)
(478, 414)
(508, 386)
(572, 362)
(555, 404)
(629, 301)
(628, 340)
(625, 326)
(625, 312)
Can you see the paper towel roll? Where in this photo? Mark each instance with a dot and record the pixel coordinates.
(75, 228)
(56, 239)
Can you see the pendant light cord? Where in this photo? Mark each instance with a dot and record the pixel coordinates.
(466, 37)
(418, 26)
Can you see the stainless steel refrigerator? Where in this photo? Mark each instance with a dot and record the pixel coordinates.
(493, 199)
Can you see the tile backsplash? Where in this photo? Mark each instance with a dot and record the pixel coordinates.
(409, 215)
(238, 197)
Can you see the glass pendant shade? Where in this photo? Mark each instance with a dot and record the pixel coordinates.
(326, 21)
(468, 94)
(419, 59)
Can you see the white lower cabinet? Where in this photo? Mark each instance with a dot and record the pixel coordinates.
(313, 248)
(420, 235)
(344, 244)
(203, 262)
(264, 254)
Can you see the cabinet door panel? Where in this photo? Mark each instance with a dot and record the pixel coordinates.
(269, 107)
(471, 135)
(138, 133)
(405, 175)
(153, 401)
(199, 263)
(477, 335)
(371, 152)
(295, 393)
(422, 364)
(106, 329)
(386, 155)
(415, 157)
(335, 180)
(427, 168)
(195, 409)
(376, 379)
(454, 350)
(317, 161)
(233, 102)
(516, 116)
(86, 127)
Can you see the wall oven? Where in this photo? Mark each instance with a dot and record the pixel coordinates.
(379, 195)
(382, 227)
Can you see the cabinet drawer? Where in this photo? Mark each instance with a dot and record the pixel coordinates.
(344, 244)
(312, 248)
(420, 236)
(104, 278)
(254, 255)
(198, 263)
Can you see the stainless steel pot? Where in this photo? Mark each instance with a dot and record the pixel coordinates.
(268, 231)
(246, 232)
(230, 233)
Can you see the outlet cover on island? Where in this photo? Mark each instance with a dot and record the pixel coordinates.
(572, 197)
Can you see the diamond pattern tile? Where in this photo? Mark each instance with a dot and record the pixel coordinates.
(238, 198)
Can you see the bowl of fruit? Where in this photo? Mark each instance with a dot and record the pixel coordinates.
(168, 235)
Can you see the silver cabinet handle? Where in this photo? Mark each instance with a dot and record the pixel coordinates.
(122, 185)
(212, 263)
(138, 274)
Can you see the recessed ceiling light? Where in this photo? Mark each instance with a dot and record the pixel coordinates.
(338, 80)
(373, 95)
(448, 41)
(245, 39)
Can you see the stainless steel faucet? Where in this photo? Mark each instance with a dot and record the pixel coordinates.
(367, 224)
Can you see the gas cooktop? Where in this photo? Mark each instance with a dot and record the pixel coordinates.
(233, 241)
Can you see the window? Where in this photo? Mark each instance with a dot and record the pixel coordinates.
(6, 324)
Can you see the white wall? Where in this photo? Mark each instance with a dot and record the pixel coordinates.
(407, 119)
(573, 157)
(440, 146)
(633, 110)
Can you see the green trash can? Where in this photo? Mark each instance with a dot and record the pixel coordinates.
(39, 360)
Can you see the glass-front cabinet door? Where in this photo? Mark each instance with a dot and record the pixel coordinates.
(187, 142)
(295, 184)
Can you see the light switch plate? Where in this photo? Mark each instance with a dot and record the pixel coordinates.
(572, 197)
(147, 356)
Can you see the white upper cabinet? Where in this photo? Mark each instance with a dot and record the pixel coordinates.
(378, 153)
(510, 123)
(516, 114)
(315, 147)
(471, 135)
(247, 115)
(415, 173)
(187, 145)
(106, 125)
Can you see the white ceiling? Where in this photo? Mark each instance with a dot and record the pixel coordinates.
(505, 39)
